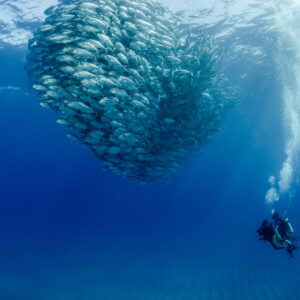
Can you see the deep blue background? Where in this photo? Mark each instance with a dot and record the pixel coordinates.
(62, 216)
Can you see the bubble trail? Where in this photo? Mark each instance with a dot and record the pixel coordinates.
(288, 61)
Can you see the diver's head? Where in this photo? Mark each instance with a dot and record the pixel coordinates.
(264, 223)
(275, 216)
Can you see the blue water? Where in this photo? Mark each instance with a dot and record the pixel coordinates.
(70, 230)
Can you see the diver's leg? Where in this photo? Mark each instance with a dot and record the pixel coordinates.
(277, 246)
(290, 249)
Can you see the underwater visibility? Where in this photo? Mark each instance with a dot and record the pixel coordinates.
(150, 150)
(130, 80)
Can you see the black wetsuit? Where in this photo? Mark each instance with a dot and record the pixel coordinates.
(283, 228)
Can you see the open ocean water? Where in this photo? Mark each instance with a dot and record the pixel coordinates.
(72, 231)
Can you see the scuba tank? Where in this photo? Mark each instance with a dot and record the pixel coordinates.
(289, 225)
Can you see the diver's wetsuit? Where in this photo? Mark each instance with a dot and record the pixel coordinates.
(268, 233)
(276, 234)
(282, 227)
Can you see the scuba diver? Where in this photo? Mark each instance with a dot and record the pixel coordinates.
(277, 233)
(282, 226)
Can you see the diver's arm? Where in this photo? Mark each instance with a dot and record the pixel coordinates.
(277, 233)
